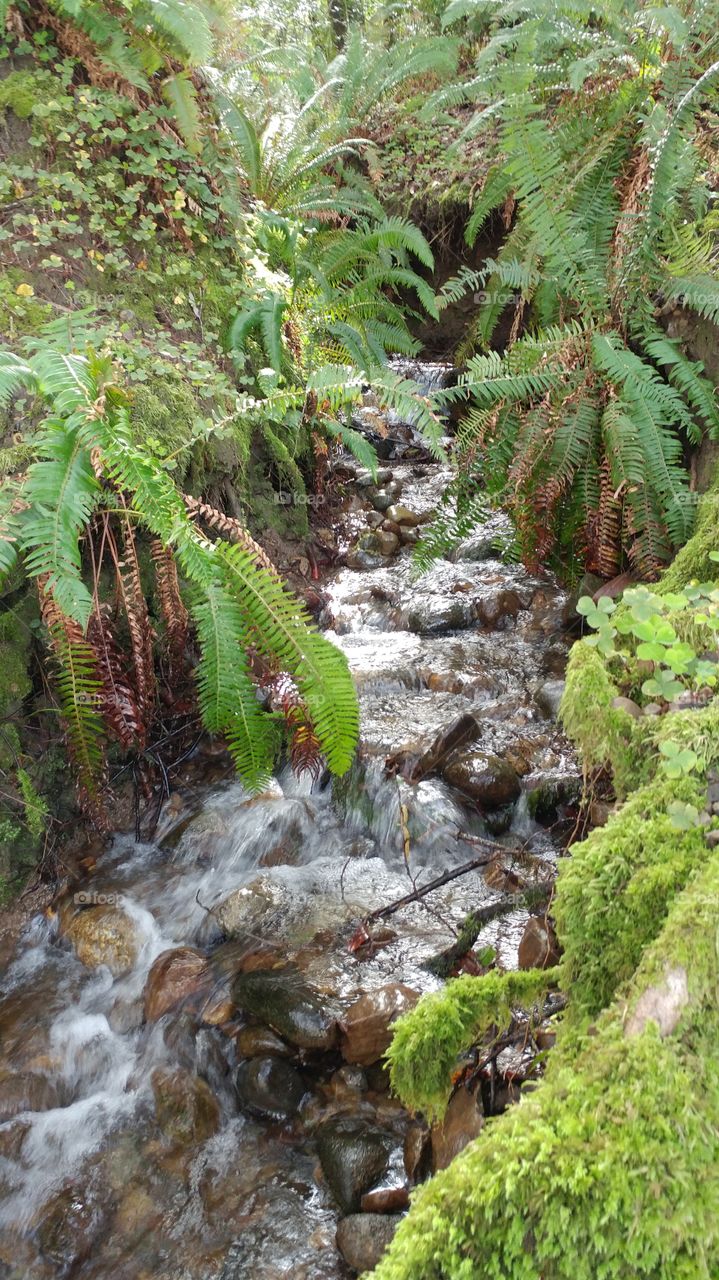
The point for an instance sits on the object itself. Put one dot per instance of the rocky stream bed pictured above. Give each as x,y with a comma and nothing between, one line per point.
191,1076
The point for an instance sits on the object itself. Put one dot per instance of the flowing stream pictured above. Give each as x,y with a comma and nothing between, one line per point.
147,1128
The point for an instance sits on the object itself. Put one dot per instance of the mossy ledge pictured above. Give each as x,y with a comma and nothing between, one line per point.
609,1169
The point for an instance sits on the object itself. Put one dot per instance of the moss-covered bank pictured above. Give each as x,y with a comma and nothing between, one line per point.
609,1169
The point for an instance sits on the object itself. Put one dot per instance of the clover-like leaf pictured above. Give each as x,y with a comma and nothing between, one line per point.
683,816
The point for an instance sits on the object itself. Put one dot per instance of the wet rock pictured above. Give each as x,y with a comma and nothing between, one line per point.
463,1121
269,1087
402,515
104,935
259,1042
186,1109
433,615
379,542
70,1225
347,1085
252,908
409,537
353,1155
489,781
174,978
374,519
497,607
549,697
12,1136
546,801
366,1026
538,948
362,1238
358,559
390,1198
461,732
383,499
126,1015
416,1147
294,1009
26,1091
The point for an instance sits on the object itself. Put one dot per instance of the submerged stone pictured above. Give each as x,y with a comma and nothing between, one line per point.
269,1086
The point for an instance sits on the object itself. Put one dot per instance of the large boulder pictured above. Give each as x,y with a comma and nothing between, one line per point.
105,935
294,1009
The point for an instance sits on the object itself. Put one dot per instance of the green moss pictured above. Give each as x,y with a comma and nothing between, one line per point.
22,91
692,561
605,736
20,316
610,1169
15,682
164,416
614,892
428,1039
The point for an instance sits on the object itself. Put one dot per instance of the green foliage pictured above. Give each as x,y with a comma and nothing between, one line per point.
580,425
236,600
429,1039
658,628
588,1175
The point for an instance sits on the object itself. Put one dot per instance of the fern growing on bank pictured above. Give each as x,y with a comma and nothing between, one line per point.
88,474
580,426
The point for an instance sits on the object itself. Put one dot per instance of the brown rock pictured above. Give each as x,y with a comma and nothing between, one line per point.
104,935
391,1199
363,1237
366,1026
257,1042
463,1121
174,978
538,948
492,608
401,515
488,780
186,1108
24,1091
416,1142
460,733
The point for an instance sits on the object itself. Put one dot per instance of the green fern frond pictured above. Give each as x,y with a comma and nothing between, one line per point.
282,631
227,695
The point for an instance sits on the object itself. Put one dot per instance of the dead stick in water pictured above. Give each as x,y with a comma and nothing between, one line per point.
443,964
424,889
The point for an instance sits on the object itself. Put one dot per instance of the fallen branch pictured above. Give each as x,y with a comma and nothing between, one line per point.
445,962
423,890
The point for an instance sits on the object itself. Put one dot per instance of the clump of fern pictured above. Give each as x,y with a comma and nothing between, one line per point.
72,522
581,404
